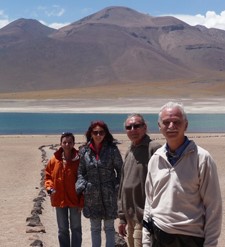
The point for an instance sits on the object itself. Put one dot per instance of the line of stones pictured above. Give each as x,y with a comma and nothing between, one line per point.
34,224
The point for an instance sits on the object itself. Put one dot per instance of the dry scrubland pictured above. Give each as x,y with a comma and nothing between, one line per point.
195,88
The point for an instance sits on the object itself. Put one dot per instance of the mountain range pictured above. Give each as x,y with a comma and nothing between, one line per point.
113,47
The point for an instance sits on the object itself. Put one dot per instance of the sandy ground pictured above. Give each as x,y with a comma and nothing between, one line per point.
21,165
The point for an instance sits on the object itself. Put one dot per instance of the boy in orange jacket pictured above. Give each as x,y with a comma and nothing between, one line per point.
60,179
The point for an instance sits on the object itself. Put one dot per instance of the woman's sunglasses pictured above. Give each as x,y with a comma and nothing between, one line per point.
96,132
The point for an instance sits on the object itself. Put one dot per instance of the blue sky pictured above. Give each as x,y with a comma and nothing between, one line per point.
58,13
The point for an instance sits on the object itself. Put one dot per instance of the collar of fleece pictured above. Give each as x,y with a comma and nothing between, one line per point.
59,154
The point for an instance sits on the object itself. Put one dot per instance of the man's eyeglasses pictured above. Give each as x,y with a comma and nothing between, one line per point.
96,132
134,126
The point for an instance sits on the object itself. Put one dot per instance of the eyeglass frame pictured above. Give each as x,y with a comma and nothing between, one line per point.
134,126
98,132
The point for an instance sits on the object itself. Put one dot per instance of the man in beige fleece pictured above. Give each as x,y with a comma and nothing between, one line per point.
183,200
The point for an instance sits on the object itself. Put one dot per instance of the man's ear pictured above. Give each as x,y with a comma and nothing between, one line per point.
186,125
145,126
159,126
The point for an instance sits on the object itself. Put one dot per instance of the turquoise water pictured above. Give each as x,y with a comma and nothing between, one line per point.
56,123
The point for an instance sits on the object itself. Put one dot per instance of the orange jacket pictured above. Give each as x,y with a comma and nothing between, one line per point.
63,180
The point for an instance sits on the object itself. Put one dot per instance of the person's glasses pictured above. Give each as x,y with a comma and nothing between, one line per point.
134,126
100,132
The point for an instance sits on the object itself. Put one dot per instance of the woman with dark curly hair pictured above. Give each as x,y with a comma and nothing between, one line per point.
98,180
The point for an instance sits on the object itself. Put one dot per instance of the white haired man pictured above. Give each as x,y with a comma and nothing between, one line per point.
183,205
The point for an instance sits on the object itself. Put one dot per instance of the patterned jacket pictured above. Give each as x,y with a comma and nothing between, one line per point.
99,181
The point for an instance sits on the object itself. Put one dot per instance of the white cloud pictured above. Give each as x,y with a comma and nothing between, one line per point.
4,23
58,25
209,20
4,20
55,10
2,14
54,25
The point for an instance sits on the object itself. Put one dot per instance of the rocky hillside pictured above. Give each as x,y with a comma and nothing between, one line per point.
116,45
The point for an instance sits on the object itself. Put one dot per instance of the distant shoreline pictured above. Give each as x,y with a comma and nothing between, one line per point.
120,105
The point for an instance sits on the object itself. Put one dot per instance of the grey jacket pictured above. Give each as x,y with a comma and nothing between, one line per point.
99,181
131,199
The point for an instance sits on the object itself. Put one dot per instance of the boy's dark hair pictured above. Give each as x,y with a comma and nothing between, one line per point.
67,134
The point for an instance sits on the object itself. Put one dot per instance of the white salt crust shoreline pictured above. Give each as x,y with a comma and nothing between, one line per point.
120,105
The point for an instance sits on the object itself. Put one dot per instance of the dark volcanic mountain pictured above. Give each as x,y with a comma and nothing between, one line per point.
115,45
